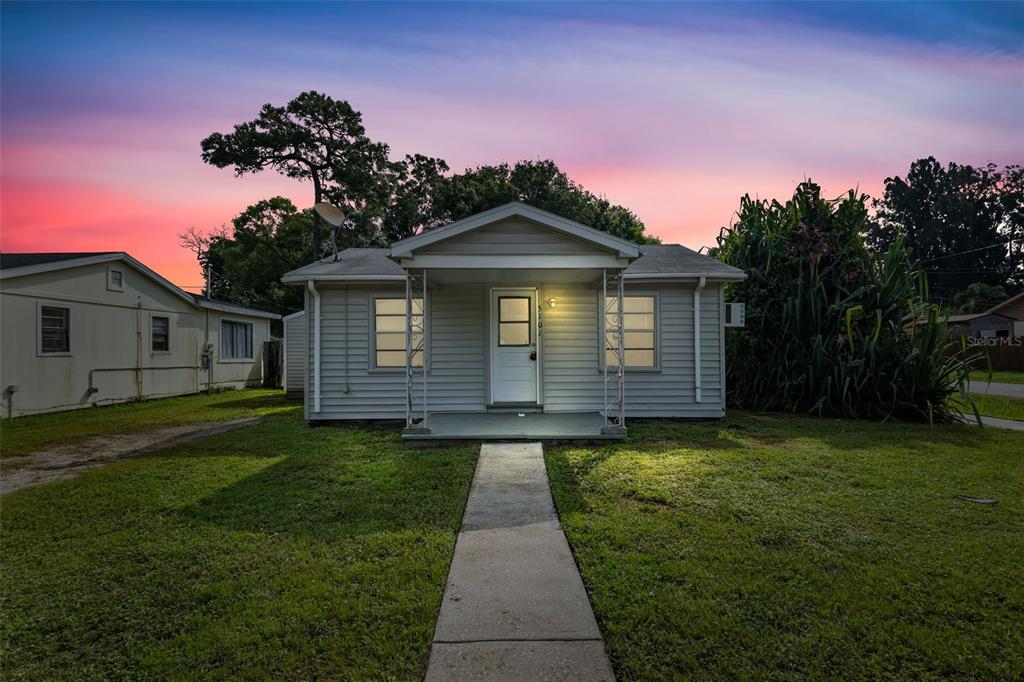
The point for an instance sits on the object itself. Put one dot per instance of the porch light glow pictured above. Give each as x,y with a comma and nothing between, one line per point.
552,302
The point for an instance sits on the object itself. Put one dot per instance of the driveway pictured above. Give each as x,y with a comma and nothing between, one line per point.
1008,390
65,461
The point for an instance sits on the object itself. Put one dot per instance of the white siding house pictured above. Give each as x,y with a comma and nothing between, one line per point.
85,329
511,313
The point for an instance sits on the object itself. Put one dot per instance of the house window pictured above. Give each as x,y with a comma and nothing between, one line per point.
638,325
513,321
54,329
115,279
389,332
160,341
235,340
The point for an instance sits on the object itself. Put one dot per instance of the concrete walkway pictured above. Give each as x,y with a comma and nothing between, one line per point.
514,607
1002,423
1007,390
66,461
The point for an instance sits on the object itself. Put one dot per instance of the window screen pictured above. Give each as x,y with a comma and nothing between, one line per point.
54,329
638,331
160,334
235,340
389,332
514,321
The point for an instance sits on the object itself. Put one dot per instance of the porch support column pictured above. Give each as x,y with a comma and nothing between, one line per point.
415,285
614,408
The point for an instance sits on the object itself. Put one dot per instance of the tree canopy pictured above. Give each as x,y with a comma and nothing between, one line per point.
963,224
538,183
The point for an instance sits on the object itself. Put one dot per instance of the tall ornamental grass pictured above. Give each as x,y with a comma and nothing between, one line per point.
831,329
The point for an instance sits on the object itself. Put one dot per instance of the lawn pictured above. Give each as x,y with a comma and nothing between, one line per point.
273,551
24,435
999,406
981,377
779,547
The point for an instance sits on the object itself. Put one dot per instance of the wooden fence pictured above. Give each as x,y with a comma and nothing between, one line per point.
1004,354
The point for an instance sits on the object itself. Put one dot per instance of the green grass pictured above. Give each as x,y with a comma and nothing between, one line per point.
999,406
24,435
982,377
275,551
772,547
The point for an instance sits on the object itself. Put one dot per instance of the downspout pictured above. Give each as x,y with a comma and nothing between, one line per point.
696,338
311,287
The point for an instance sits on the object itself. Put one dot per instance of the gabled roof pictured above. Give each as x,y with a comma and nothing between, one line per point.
352,265
405,247
656,262
994,310
674,261
21,264
23,260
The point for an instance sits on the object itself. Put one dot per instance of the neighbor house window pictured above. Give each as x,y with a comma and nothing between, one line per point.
115,279
160,341
389,342
235,340
638,325
54,329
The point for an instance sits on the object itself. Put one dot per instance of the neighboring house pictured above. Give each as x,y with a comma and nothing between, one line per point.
508,313
82,329
295,341
1001,320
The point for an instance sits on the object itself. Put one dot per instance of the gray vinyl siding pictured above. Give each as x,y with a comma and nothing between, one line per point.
295,346
572,375
455,355
514,236
570,354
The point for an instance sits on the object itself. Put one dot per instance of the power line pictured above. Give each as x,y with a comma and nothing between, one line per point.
961,253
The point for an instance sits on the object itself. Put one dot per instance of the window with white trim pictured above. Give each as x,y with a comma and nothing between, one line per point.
160,334
54,329
639,331
389,342
235,340
115,279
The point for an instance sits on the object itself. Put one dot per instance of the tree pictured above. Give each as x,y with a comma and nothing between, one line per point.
538,183
323,140
964,224
978,297
831,329
267,240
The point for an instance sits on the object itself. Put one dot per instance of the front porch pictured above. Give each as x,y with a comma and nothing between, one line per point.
512,426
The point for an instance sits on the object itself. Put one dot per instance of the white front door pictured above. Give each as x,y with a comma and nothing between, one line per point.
514,364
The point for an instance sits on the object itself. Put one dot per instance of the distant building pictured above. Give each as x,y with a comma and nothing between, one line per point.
81,329
1001,320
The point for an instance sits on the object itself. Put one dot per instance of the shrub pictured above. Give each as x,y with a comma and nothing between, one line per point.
831,329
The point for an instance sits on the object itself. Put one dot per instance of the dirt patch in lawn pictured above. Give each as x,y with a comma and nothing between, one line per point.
65,461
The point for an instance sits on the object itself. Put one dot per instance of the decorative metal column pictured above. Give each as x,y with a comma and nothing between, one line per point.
415,288
613,325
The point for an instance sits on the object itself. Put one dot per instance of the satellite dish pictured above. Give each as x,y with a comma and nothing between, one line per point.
332,214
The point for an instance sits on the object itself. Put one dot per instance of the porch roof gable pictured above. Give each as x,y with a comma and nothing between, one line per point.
406,247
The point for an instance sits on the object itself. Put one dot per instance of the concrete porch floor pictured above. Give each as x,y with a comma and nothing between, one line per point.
506,426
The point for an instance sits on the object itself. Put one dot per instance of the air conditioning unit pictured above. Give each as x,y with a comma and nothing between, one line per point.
734,315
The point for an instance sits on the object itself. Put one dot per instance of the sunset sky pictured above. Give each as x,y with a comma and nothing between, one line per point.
672,110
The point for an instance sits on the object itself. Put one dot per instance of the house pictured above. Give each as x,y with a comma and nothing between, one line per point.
294,355
82,329
1005,319
510,323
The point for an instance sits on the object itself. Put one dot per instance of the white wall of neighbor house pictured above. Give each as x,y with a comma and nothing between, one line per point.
570,352
111,327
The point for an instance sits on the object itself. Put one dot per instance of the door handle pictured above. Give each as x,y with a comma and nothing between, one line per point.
533,355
